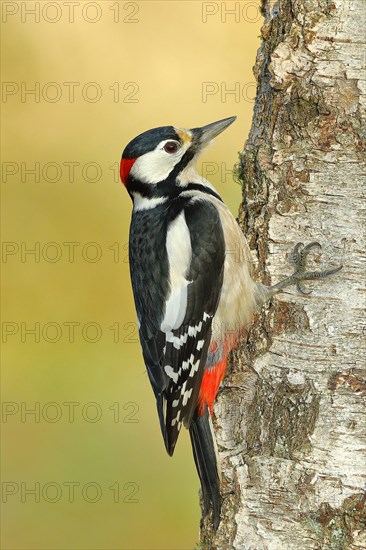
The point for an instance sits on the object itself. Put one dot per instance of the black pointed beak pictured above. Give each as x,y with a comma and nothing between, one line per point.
204,135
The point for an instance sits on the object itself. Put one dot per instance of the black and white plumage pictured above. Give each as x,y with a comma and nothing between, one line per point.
186,285
176,289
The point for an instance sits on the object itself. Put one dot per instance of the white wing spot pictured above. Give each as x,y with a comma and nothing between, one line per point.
177,341
185,365
170,372
194,368
186,396
192,331
176,419
200,344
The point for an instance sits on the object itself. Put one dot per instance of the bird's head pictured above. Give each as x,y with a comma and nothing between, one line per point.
157,162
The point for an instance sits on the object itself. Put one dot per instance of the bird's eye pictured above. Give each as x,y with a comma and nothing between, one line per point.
171,147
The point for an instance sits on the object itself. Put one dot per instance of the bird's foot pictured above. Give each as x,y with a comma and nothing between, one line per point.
298,259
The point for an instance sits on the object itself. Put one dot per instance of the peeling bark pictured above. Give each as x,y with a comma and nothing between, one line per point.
290,420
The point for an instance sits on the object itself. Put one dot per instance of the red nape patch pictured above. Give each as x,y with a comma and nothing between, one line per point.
124,169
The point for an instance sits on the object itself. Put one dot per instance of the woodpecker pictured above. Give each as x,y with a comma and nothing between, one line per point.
193,296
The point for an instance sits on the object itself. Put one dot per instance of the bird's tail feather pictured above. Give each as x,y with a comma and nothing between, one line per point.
204,453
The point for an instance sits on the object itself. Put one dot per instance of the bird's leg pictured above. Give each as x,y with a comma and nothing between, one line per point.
298,259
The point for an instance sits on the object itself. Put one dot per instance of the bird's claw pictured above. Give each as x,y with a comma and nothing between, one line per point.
298,259
300,253
301,289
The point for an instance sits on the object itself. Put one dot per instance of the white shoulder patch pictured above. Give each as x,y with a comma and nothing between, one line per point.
179,249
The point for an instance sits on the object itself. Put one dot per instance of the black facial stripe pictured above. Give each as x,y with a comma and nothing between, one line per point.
179,167
167,189
203,189
137,186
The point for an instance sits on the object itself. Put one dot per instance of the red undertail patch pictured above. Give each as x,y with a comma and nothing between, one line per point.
212,378
210,384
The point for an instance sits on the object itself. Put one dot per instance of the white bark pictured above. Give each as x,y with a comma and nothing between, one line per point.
290,421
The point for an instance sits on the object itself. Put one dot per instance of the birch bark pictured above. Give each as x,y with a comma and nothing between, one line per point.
290,420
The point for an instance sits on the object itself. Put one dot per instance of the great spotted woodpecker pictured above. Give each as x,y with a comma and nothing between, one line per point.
193,296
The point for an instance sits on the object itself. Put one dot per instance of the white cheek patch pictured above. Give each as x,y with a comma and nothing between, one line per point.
156,165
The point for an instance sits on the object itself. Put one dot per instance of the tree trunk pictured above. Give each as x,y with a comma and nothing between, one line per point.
290,420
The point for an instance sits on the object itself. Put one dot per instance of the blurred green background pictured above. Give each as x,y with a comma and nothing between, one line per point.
101,73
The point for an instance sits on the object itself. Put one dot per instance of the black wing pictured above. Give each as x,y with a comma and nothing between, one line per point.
175,356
